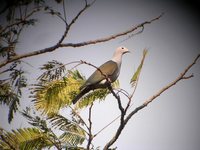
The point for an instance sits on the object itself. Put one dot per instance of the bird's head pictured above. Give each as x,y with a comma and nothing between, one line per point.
122,50
118,54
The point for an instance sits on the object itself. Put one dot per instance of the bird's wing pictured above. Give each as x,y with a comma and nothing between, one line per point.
109,68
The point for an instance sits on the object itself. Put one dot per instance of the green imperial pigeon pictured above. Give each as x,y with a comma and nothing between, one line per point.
109,70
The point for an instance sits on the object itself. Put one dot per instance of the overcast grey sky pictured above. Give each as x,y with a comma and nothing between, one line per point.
173,120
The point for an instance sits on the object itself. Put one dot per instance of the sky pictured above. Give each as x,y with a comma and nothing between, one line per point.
172,121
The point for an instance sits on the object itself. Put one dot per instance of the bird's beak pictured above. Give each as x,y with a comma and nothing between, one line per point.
127,52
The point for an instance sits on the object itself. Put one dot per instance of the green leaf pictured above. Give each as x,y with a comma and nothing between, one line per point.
136,75
5,93
52,96
26,138
53,70
98,94
73,133
11,89
9,98
35,120
13,107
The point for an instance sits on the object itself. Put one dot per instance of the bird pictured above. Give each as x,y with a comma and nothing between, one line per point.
105,74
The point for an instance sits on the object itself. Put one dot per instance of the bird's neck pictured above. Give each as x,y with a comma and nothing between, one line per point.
117,58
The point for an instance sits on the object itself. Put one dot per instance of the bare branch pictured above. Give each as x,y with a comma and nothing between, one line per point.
157,94
180,77
122,91
134,34
112,36
60,44
90,127
74,20
118,100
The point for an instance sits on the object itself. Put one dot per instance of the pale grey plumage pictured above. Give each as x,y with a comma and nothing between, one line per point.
110,69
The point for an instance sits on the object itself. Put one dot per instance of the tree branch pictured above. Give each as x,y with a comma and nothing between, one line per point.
90,127
60,44
22,20
114,36
118,100
182,76
68,27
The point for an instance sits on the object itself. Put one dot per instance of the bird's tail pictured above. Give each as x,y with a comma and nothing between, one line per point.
83,92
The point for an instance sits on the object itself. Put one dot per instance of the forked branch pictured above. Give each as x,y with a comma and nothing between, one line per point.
182,76
90,42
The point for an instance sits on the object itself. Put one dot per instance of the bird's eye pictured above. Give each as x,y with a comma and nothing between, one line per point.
122,48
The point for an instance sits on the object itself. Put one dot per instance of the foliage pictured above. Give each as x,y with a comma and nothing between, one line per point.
137,73
11,89
17,15
27,138
73,133
99,94
35,120
8,97
50,97
53,70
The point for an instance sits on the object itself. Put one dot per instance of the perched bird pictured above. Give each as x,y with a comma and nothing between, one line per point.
104,75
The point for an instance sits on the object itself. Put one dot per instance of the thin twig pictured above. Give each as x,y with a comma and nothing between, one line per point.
85,124
68,27
124,92
134,34
64,11
107,125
